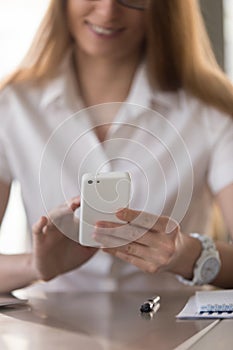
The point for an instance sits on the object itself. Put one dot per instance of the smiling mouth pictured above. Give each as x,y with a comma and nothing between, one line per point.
104,31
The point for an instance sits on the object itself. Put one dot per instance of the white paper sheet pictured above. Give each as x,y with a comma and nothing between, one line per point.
190,311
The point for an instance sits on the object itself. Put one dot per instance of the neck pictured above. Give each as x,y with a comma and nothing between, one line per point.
103,80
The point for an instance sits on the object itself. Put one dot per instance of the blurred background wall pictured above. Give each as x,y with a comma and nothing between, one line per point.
213,12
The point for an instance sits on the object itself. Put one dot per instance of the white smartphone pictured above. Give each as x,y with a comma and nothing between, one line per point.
101,196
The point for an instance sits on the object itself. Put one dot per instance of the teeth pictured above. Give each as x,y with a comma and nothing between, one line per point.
101,30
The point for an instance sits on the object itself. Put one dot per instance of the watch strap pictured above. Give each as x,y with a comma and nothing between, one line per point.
208,250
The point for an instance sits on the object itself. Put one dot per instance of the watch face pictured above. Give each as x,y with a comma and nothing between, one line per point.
210,269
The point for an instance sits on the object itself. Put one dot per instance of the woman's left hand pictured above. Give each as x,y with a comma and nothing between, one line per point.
147,241
54,253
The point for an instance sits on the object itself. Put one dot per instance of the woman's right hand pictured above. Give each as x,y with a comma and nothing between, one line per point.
53,252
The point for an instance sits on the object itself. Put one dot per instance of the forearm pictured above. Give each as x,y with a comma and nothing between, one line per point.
188,253
225,276
16,271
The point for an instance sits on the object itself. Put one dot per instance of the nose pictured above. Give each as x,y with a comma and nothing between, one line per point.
108,8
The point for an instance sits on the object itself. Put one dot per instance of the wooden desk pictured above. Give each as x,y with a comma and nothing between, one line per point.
96,321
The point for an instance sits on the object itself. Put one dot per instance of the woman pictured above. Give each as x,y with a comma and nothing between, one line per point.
151,54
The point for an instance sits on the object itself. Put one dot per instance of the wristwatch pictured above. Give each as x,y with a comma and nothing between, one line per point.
207,265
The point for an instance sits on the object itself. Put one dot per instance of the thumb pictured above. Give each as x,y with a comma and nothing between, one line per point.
38,227
74,203
172,227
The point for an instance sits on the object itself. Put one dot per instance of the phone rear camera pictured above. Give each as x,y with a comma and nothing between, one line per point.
90,182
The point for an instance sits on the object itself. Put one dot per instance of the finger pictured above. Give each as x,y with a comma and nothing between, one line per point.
115,235
147,220
74,203
127,232
153,256
63,210
108,241
160,240
159,253
138,250
138,218
112,238
146,266
58,215
38,227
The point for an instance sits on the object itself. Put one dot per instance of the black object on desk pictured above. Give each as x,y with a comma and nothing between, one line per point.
150,305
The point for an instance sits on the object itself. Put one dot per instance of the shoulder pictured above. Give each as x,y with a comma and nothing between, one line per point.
19,102
6,96
20,91
211,119
17,99
188,114
207,112
33,93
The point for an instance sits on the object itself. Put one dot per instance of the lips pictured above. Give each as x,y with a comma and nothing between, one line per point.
104,31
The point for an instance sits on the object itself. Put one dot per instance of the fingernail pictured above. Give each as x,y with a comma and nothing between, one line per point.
100,224
43,219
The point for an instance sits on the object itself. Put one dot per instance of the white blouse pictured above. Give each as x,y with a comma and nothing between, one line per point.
177,149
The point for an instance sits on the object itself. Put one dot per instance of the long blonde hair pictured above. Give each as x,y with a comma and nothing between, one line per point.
177,50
